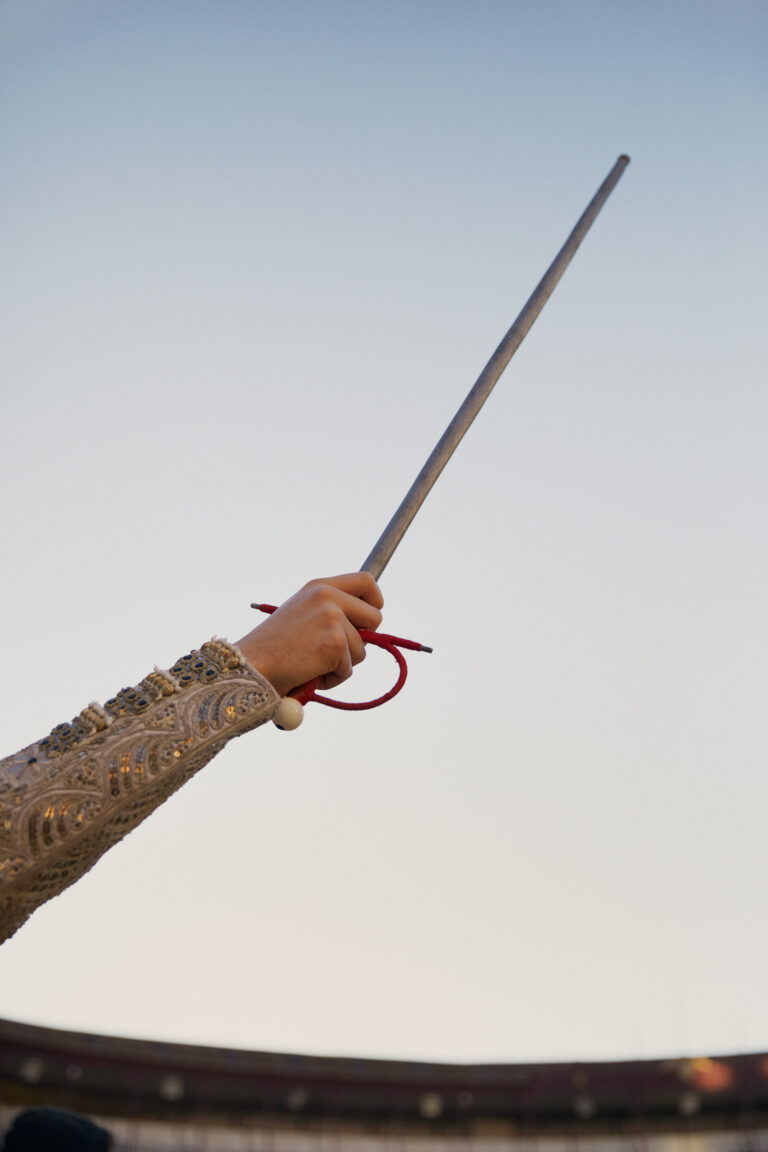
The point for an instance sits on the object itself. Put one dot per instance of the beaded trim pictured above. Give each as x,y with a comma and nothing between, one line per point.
66,800
206,665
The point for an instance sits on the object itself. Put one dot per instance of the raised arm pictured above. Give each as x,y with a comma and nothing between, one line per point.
69,797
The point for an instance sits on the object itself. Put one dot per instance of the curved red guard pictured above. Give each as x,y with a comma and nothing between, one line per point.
307,693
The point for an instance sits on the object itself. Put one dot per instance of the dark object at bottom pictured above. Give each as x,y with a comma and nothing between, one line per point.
44,1129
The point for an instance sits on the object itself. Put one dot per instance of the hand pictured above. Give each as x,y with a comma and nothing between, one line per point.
315,633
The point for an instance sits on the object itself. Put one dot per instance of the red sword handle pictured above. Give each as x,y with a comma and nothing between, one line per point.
307,693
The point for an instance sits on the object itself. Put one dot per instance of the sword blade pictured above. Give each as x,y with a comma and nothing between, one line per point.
384,548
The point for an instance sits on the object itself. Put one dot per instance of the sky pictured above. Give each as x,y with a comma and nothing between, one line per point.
254,256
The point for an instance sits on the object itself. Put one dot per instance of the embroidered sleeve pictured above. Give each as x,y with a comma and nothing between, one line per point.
67,799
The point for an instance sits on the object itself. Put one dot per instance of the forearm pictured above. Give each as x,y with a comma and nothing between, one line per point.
67,799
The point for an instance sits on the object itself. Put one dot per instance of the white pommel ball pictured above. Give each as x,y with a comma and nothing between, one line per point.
289,714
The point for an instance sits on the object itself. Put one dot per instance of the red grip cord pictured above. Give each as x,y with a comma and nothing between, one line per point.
307,693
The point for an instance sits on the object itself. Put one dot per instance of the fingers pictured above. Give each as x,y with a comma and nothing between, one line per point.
315,633
343,647
350,651
357,595
358,584
357,599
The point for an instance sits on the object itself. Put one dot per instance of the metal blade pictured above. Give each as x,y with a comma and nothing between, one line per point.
382,552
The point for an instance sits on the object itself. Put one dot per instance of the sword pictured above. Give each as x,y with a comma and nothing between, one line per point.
289,713
385,546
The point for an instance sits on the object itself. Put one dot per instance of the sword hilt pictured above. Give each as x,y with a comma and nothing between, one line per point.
290,711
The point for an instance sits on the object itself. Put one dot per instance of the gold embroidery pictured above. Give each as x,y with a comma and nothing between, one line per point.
67,799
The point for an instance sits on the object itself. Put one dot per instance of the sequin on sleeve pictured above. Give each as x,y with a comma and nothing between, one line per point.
67,799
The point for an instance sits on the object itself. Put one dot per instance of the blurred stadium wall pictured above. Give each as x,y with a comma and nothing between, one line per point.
155,1096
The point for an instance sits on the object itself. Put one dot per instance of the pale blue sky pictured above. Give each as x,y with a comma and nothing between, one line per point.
254,255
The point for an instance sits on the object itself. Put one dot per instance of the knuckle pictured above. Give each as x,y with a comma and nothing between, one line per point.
318,599
334,641
323,595
317,588
374,591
